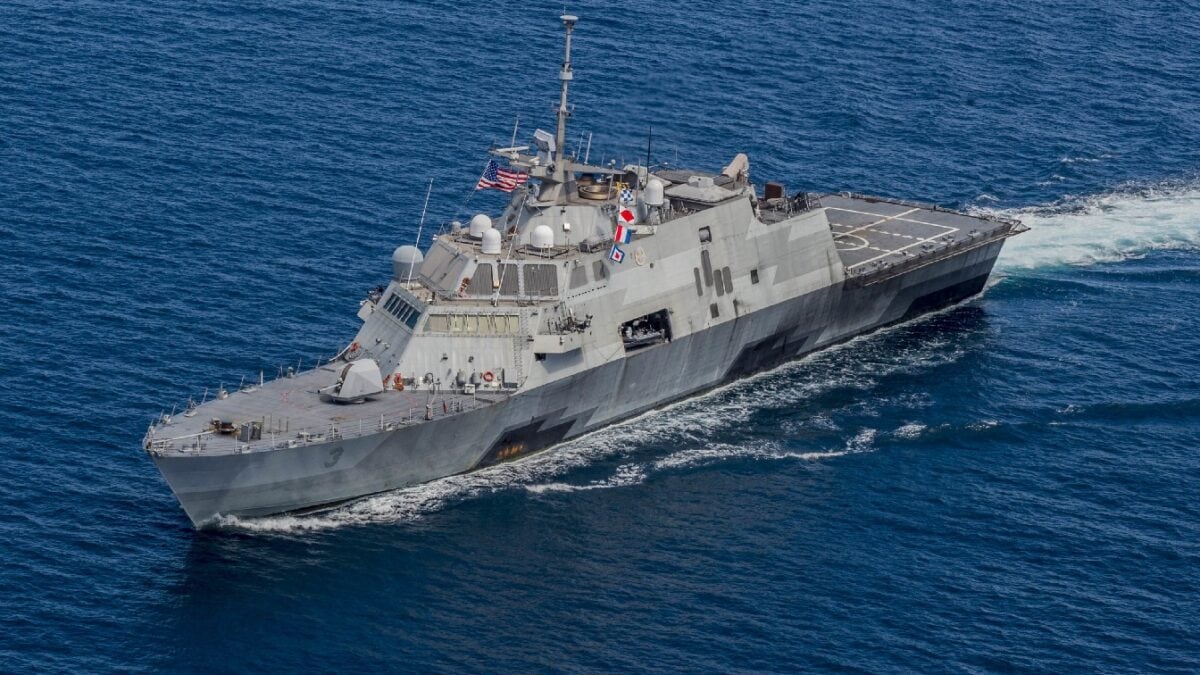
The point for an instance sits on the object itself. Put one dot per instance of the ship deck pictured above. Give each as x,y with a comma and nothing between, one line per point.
289,411
874,234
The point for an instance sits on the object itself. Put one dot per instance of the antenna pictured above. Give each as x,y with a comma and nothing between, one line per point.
421,226
516,125
588,153
649,140
565,75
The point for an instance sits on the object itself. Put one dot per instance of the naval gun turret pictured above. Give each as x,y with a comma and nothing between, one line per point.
356,382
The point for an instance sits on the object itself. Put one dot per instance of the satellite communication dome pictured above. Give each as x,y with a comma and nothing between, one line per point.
405,262
654,192
479,225
541,237
491,241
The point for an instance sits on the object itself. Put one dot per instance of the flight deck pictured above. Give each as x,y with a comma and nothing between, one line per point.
875,235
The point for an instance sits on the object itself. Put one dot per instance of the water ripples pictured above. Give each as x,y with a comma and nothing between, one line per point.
195,193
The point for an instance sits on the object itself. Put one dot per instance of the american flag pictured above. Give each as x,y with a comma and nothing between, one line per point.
504,179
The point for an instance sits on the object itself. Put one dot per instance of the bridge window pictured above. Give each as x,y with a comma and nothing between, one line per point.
481,282
402,311
509,279
541,280
578,277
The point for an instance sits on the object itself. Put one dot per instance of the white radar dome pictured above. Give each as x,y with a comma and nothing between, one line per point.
541,237
479,225
405,262
491,241
654,192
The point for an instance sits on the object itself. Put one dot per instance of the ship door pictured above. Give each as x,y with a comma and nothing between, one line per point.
646,331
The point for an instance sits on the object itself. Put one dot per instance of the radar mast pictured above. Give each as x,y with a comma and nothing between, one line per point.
561,173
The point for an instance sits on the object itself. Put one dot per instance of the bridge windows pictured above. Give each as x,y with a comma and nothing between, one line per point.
541,280
579,277
402,311
482,283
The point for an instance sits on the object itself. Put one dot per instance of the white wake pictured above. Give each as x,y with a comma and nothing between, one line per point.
1109,227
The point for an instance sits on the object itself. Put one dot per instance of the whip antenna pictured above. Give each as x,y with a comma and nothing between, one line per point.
420,227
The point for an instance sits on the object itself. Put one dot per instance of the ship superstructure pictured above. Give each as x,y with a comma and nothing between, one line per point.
598,293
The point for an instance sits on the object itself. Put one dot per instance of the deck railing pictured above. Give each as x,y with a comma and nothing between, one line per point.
274,434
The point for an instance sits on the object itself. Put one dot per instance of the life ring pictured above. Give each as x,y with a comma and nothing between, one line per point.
353,351
488,376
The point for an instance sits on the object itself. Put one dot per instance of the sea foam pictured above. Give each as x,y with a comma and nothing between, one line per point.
1118,225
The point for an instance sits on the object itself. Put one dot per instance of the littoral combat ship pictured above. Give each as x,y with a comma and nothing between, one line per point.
599,293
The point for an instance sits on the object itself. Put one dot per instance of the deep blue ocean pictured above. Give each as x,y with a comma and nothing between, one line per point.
192,192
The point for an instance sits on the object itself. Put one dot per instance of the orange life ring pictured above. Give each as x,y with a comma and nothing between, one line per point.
488,376
353,346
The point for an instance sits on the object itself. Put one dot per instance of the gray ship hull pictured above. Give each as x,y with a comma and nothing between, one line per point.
308,476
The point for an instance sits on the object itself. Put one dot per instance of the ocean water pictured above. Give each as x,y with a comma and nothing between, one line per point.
194,192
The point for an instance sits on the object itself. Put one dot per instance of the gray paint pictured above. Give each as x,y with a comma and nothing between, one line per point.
581,396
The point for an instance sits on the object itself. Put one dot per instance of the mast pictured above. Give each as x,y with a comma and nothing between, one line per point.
565,75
